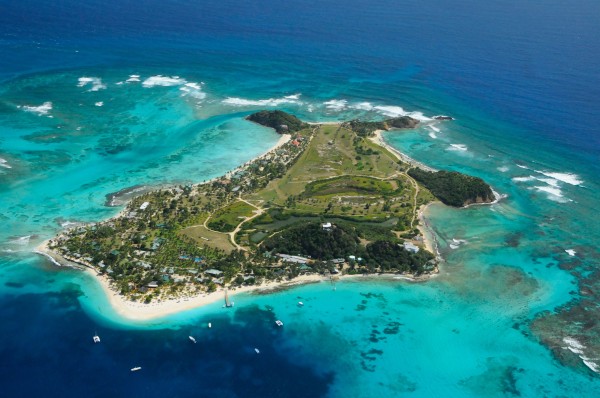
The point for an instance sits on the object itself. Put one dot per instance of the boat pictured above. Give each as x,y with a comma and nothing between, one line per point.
300,304
96,338
136,368
209,325
257,350
228,303
279,323
193,339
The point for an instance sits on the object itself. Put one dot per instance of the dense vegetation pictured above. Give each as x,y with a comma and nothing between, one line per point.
311,240
281,121
453,188
342,241
391,256
365,129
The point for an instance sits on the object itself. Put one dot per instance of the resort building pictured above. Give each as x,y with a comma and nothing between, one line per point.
410,247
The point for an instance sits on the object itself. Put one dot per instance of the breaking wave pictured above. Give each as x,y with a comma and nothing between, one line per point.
163,81
96,83
43,109
290,99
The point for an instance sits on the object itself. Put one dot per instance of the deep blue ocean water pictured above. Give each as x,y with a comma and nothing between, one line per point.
100,96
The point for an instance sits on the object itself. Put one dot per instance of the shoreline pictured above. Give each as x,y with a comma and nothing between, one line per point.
139,311
159,308
377,138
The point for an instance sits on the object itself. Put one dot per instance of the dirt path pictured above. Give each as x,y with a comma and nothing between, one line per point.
258,212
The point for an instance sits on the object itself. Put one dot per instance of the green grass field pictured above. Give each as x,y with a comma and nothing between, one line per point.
227,218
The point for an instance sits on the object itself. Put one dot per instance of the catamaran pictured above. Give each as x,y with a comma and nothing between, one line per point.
279,323
96,338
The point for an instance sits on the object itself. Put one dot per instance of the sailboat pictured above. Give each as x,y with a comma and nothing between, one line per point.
227,302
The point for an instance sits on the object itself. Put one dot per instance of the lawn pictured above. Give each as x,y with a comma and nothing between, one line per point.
227,218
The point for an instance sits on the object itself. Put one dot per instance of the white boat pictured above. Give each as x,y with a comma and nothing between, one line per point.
136,368
209,325
193,339
300,303
96,338
257,350
279,323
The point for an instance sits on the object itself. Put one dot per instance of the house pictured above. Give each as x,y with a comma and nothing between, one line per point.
293,259
213,272
338,261
153,284
326,226
410,247
144,205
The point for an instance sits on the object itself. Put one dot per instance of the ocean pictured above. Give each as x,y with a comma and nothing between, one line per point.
97,97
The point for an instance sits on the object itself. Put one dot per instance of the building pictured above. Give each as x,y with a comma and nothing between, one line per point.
410,247
153,284
326,226
213,272
144,205
293,259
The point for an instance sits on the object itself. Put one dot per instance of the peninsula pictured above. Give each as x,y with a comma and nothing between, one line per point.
327,201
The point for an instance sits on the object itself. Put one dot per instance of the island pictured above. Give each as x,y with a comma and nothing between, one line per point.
330,201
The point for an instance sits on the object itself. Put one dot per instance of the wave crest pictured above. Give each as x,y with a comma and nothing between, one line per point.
96,83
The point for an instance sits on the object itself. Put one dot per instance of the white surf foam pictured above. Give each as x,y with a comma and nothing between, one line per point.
49,257
431,126
290,99
457,147
336,105
43,109
554,193
398,111
551,190
21,241
590,364
363,106
568,178
4,163
550,181
432,135
503,169
96,83
133,79
523,167
164,81
573,345
570,252
193,90
99,103
523,179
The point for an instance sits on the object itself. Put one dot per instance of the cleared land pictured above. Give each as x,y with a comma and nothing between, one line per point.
343,174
